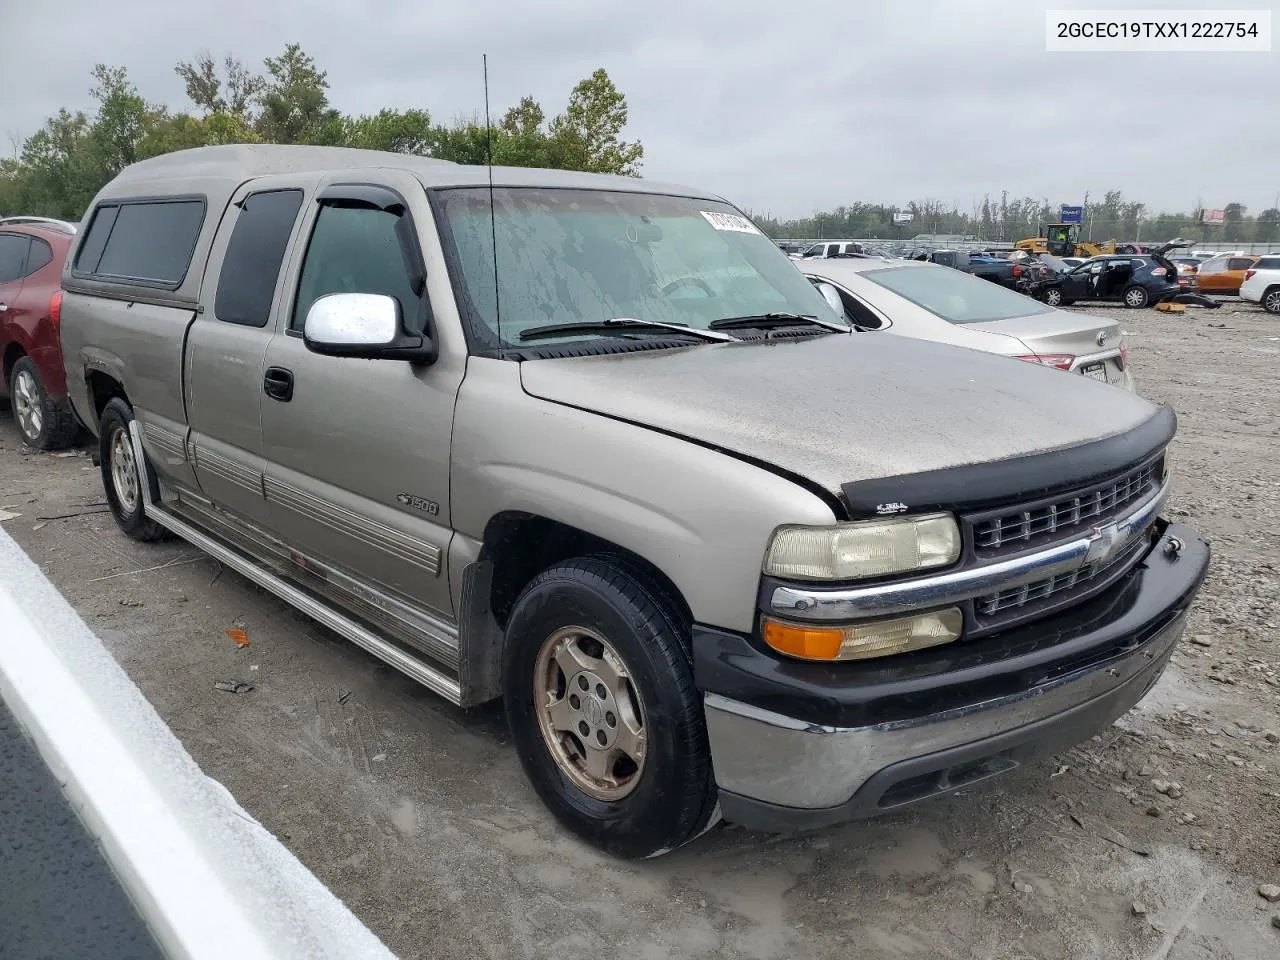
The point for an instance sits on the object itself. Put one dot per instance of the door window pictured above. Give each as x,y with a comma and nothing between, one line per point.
353,250
251,265
1214,265
13,256
1240,263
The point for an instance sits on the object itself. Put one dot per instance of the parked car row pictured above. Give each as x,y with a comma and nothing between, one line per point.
594,446
933,302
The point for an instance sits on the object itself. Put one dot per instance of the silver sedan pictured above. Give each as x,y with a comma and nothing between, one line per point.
931,302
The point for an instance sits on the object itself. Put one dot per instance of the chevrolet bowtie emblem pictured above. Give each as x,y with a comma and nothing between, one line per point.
1104,542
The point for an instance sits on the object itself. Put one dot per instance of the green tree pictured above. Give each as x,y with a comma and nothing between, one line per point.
587,134
1267,227
121,122
183,131
396,131
295,102
56,177
235,92
1233,224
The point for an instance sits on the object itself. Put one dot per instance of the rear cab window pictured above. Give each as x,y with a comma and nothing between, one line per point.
251,265
147,242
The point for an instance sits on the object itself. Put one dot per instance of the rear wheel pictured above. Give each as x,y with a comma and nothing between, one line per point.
1136,297
42,422
125,481
1271,300
600,699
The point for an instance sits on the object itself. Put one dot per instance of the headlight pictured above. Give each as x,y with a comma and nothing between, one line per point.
867,548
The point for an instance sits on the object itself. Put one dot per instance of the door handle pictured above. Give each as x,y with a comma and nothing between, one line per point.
278,384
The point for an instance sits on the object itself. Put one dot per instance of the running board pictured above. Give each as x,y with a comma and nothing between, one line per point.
429,677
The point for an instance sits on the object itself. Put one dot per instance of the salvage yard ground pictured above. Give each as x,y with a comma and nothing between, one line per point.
1149,841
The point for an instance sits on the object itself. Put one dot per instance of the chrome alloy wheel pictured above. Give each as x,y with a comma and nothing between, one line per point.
26,405
124,471
590,713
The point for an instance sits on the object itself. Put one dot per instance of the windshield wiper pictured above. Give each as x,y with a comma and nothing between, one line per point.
767,321
625,323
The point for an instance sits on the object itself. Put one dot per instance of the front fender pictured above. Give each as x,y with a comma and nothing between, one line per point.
702,517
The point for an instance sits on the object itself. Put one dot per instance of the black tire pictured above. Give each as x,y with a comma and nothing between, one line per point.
131,517
1136,297
1271,299
674,794
42,422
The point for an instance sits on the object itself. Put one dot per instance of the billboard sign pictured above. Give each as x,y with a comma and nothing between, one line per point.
1072,214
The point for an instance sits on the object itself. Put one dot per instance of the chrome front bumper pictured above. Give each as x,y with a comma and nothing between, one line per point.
778,772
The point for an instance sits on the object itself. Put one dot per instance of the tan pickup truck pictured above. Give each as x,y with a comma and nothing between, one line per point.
595,446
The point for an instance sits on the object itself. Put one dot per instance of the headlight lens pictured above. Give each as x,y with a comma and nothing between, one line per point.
867,548
862,641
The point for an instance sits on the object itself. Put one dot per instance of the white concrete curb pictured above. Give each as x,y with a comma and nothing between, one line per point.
210,880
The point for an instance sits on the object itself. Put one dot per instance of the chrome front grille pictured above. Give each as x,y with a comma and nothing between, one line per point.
1088,578
1012,530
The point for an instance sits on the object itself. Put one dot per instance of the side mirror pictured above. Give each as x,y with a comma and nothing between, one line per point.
832,296
363,325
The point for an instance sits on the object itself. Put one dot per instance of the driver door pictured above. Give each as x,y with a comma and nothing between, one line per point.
357,451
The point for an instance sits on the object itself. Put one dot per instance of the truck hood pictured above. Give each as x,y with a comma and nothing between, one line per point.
846,407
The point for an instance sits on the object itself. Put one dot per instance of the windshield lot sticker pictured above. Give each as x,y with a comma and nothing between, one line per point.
730,221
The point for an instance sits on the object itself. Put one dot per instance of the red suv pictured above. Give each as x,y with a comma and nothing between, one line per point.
32,251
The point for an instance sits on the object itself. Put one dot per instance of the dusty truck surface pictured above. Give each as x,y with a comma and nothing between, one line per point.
593,445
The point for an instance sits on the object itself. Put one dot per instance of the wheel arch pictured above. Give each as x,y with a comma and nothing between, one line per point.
102,387
13,352
516,546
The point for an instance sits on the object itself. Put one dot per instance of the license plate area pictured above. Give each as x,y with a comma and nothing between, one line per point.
1095,371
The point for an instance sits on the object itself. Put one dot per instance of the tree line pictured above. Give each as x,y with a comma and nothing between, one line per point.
57,170
1006,218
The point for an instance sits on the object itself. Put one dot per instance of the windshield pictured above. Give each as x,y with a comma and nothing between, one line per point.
568,256
955,296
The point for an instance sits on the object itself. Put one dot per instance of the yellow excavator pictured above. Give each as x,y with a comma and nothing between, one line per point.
1063,240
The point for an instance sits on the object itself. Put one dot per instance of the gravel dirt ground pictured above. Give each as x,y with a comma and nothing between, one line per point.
1149,841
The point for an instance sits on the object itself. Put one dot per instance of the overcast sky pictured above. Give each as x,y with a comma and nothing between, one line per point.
784,109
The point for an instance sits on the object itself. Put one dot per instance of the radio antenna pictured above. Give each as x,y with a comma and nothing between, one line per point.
493,226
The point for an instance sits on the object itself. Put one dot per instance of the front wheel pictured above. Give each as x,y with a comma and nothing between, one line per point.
1136,297
124,480
1053,297
602,707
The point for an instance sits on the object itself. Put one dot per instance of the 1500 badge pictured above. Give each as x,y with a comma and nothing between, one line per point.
418,503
